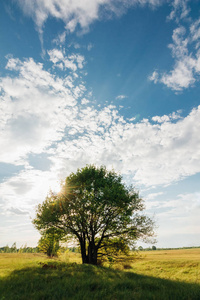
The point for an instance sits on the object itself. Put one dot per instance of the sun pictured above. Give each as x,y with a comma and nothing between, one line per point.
55,186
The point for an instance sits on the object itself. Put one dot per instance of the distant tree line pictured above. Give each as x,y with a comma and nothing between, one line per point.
39,249
140,248
22,249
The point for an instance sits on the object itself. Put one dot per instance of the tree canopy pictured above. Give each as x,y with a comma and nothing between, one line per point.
49,243
96,208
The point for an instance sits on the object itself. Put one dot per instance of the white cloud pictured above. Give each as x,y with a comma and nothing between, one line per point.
177,218
56,55
154,195
161,119
63,61
131,119
180,44
154,77
165,118
90,46
84,101
17,211
76,12
180,9
121,97
184,210
21,193
186,69
153,154
44,113
36,106
181,77
60,40
195,31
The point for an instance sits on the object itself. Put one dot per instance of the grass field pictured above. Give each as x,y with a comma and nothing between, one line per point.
160,275
183,265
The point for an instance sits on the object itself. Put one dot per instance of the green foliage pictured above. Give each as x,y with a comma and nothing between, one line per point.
73,249
96,208
25,249
6,249
22,249
13,248
49,244
112,249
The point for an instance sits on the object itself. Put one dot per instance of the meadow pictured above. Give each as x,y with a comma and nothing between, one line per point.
160,275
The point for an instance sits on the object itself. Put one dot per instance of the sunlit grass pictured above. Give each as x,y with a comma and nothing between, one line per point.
171,274
70,257
16,261
180,264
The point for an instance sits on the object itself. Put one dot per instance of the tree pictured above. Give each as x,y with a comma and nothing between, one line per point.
49,244
96,208
13,248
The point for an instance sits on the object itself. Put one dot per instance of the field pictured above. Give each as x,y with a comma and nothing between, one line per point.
160,275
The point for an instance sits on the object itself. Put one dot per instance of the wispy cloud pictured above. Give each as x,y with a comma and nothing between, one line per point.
44,113
121,97
186,68
76,15
182,210
154,77
90,46
82,12
17,211
154,195
60,39
9,11
180,9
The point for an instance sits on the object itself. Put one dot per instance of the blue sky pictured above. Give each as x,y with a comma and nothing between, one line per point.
101,82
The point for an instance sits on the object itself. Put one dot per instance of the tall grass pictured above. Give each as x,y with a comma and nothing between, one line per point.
181,264
10,262
35,277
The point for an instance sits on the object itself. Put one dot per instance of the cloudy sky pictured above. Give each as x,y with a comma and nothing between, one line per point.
112,82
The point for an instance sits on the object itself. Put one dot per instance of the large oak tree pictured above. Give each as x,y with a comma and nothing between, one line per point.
96,208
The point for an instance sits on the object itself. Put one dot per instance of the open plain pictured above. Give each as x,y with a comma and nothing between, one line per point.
159,274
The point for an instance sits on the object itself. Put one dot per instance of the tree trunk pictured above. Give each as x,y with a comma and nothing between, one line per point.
92,254
83,251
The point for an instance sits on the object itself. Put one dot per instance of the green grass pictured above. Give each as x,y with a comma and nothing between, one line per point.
181,264
10,262
33,276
